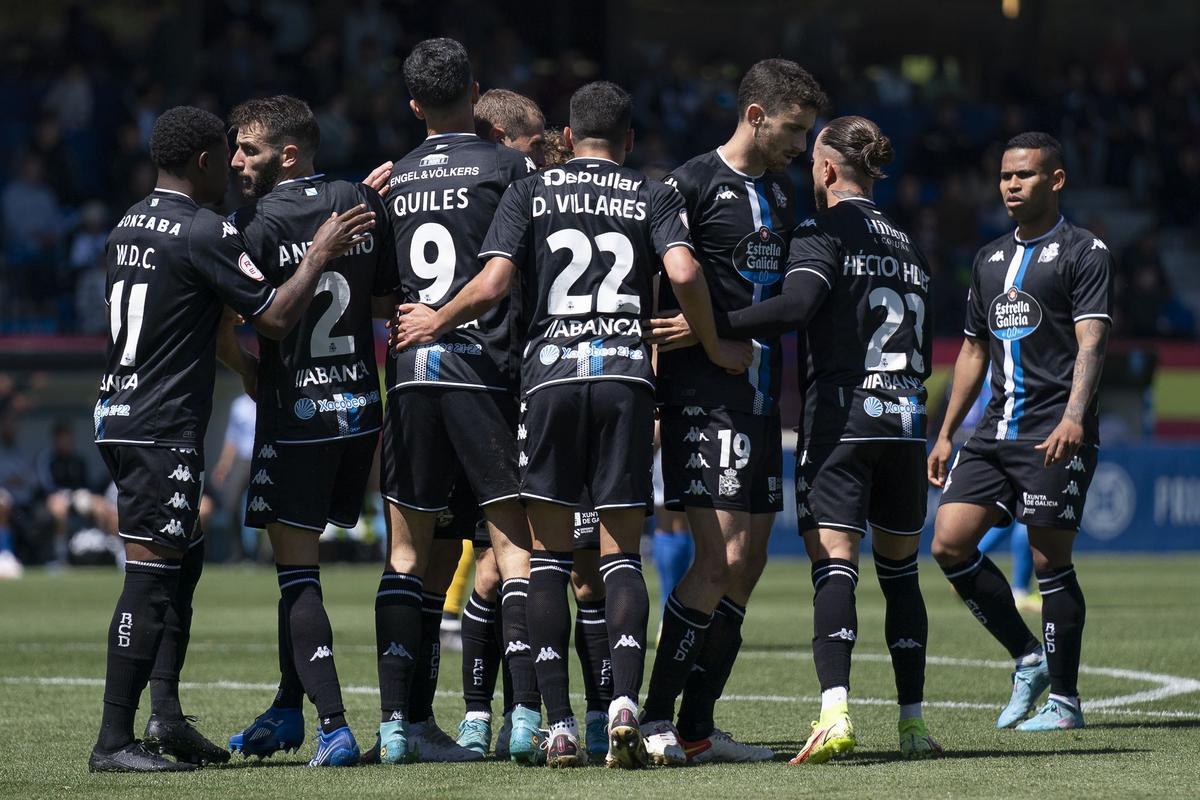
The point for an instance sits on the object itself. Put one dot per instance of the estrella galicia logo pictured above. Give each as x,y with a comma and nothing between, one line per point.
873,406
1015,315
759,257
548,354
305,408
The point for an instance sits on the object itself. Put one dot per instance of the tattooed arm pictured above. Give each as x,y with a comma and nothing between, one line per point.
1064,440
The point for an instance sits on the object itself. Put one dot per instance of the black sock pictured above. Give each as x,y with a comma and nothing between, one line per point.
549,619
479,654
683,634
518,648
429,659
177,632
312,641
1063,613
985,590
133,639
591,645
714,664
397,640
626,610
291,692
905,625
835,620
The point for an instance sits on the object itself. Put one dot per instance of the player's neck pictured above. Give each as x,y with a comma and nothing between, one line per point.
171,183
845,190
457,122
298,170
583,150
1032,229
741,154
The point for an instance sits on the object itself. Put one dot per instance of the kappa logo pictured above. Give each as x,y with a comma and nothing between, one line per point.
1068,513
627,641
1048,254
695,435
845,634
808,223
228,229
172,528
780,197
1072,489
696,488
529,165
398,650
802,511
522,460
1098,245
324,651
1076,465
258,504
547,654
905,644
396,716
696,462
181,473
726,194
178,501
802,485
266,451
997,256
262,479
693,411
521,433
516,646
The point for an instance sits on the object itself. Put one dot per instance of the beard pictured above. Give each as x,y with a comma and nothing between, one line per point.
258,185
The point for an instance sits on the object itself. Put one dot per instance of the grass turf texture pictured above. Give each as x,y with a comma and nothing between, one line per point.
1141,617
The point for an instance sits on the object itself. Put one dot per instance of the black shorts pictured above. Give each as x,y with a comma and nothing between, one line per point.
1012,475
309,485
593,435
432,436
717,458
848,485
462,520
158,492
586,535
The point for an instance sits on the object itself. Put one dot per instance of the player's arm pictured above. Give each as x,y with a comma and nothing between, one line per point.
792,309
691,290
969,371
1092,337
231,353
417,324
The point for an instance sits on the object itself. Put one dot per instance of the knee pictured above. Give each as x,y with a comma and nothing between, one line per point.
948,552
586,591
715,573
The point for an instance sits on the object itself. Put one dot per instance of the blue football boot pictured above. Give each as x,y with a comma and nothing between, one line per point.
273,730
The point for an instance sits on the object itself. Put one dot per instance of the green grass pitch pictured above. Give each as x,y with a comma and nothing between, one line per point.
1141,685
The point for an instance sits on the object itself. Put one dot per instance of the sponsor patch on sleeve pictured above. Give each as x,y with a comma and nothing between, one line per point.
247,265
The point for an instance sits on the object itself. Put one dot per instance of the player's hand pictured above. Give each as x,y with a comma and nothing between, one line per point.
414,325
1062,442
378,179
733,356
341,232
669,332
939,461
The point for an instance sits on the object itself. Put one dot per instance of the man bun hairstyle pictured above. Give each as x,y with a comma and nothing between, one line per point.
180,133
860,143
281,120
1037,140
513,113
438,73
777,84
601,110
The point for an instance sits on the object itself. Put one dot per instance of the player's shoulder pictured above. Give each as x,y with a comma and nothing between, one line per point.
207,225
512,161
697,172
1078,241
997,251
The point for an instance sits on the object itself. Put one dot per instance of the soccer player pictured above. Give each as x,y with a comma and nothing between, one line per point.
452,410
585,239
1038,312
172,267
319,409
513,120
722,442
860,288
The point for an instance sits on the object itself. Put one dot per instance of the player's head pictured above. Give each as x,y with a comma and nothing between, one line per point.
276,136
1031,176
558,152
438,75
512,120
778,102
601,115
849,151
189,144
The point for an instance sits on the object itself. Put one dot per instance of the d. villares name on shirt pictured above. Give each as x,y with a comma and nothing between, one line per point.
588,203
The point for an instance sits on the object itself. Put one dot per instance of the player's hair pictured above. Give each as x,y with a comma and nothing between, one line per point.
860,143
281,120
601,110
556,149
438,73
777,84
180,133
515,114
1036,140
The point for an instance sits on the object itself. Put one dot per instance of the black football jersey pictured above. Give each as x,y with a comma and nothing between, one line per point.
869,344
588,238
741,226
1025,299
321,381
172,268
442,199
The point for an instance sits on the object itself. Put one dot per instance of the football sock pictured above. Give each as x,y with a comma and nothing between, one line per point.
1063,612
177,632
498,654
397,640
626,611
986,591
905,625
591,645
835,620
312,641
714,664
291,692
518,653
479,662
550,629
683,633
133,639
425,678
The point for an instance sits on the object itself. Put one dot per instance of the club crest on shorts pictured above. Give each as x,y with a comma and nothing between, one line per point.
728,484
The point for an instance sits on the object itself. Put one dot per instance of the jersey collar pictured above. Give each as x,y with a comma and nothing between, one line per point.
592,158
159,189
302,178
721,156
1051,232
445,135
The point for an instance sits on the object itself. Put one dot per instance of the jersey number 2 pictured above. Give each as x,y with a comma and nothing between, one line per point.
609,300
890,300
322,345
